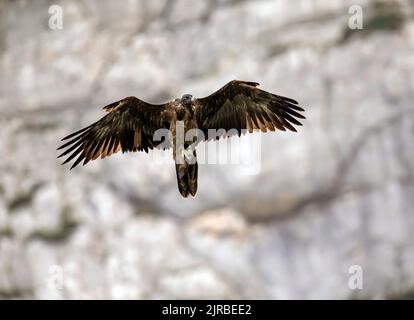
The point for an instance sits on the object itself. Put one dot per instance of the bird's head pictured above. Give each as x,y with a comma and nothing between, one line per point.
187,100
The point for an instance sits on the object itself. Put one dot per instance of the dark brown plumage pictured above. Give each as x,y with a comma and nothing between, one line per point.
130,124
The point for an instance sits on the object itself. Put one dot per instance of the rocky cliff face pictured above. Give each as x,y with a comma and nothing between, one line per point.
336,194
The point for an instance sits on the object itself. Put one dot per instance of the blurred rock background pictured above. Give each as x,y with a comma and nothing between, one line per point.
338,193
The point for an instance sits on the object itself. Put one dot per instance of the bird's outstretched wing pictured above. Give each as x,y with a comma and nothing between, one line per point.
241,106
129,125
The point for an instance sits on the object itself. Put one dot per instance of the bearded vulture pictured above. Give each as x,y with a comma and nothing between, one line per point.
131,125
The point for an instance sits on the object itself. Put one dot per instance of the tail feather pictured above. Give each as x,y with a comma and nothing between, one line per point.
192,178
181,170
187,176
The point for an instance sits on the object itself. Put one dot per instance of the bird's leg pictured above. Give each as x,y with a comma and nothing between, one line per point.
189,151
189,154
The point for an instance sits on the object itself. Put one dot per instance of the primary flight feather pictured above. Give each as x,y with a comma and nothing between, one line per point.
130,125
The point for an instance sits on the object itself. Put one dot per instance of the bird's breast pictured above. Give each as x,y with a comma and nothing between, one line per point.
184,119
181,113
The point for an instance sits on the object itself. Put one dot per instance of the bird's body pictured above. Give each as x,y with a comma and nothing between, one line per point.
187,171
132,125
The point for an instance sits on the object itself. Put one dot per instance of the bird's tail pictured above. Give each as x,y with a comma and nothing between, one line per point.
187,175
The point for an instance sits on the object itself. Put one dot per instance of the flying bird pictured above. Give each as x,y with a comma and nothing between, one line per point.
130,125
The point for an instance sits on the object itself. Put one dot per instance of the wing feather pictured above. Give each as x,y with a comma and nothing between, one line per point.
242,106
129,125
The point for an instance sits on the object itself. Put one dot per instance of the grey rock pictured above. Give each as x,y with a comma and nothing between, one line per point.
336,194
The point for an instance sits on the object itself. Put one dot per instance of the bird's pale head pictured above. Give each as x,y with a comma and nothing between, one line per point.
187,100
